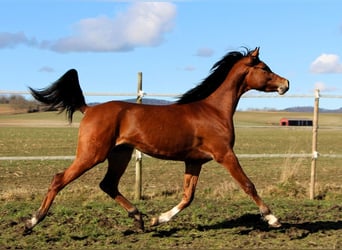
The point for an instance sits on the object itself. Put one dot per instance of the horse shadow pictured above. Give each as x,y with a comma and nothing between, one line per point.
253,223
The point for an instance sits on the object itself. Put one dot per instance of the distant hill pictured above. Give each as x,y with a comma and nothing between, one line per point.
151,101
309,109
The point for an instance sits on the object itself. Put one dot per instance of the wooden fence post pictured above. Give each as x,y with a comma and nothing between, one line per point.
138,155
314,145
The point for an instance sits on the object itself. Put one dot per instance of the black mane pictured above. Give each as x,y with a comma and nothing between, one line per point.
218,73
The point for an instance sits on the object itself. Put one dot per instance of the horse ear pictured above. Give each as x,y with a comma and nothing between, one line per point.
255,53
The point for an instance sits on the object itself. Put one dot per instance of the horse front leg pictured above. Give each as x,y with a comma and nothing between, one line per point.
231,163
191,176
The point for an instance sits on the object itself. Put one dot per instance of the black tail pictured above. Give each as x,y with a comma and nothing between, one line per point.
64,94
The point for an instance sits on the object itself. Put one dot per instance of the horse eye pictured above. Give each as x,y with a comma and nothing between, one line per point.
264,67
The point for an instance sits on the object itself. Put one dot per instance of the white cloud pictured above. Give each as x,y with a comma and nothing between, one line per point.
189,68
47,69
323,87
204,52
326,63
320,85
143,24
11,40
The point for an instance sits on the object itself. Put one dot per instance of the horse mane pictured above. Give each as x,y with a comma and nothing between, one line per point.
218,73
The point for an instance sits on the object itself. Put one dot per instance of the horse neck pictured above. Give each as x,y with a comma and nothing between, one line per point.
227,96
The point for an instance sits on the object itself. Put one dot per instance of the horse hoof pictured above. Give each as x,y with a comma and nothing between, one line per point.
138,219
28,227
27,231
139,225
272,221
154,221
276,224
139,222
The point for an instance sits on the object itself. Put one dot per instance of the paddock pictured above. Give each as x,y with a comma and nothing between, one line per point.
225,214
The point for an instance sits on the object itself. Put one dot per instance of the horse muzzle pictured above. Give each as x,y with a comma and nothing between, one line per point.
282,89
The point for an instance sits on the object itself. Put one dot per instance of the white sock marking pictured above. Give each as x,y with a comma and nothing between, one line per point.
165,217
34,221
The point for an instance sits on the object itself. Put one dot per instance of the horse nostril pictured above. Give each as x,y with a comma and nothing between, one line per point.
283,89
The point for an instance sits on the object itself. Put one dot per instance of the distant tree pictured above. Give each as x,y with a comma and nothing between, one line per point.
4,100
18,103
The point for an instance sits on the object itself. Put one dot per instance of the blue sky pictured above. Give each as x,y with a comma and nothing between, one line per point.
174,44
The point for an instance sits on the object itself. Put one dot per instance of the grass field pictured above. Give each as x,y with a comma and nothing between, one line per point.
221,216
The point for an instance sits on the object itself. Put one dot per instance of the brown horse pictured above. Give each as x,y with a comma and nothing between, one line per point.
196,129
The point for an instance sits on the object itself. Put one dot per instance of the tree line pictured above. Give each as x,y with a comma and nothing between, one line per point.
19,103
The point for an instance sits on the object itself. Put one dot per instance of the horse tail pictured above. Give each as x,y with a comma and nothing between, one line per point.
64,94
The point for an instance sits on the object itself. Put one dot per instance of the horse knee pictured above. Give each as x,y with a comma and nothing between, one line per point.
108,188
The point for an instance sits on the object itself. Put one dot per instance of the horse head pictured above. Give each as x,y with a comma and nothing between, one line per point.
260,77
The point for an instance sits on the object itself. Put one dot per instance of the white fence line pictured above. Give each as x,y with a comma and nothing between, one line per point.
32,158
14,92
66,157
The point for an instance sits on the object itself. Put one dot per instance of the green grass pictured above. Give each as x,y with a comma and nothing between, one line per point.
221,216
209,223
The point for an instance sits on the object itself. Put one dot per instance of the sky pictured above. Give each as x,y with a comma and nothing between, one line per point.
174,44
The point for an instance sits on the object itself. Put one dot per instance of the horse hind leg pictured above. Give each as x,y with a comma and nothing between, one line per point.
94,143
191,176
118,160
60,180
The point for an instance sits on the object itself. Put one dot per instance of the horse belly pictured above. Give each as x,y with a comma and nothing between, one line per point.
163,132
170,147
